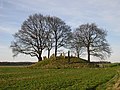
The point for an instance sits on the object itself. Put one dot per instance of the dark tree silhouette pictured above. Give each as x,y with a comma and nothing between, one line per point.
49,42
60,31
94,40
76,44
31,39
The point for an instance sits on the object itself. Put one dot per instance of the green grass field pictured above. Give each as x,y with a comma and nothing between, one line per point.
52,74
24,78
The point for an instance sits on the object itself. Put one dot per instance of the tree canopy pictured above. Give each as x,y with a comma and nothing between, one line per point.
60,32
93,39
40,33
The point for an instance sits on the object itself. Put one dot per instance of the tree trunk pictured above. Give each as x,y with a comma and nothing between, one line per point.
55,48
88,51
78,54
48,53
68,56
39,57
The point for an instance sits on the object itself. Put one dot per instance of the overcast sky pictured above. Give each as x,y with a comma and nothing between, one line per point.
105,13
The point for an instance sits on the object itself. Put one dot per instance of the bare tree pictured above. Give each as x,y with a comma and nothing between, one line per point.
76,44
60,32
94,40
31,39
49,42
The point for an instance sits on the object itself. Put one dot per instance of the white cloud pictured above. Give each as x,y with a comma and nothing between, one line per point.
6,55
2,46
115,57
8,30
4,30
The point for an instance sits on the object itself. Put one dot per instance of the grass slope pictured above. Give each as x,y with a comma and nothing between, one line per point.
61,62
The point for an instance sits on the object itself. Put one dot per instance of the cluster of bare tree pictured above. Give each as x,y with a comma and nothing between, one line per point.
90,38
40,33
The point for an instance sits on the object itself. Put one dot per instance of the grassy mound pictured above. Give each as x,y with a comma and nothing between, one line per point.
62,62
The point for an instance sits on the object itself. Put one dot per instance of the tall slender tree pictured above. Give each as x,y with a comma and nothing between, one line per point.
49,43
60,31
76,44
